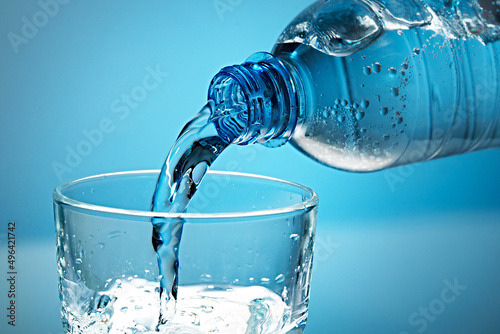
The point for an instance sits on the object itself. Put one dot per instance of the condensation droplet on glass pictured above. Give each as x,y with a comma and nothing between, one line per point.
392,71
376,67
384,110
365,103
114,234
394,91
367,70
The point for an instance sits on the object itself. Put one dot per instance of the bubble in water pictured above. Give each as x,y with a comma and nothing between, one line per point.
205,277
207,308
392,71
384,110
367,70
365,103
376,67
103,301
359,114
280,278
394,91
199,171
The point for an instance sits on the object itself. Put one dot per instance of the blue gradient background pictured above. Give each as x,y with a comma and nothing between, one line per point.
382,251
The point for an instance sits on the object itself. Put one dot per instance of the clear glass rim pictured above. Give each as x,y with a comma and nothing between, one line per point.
309,203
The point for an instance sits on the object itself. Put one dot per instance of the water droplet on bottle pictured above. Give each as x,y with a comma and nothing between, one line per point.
362,130
124,309
400,32
392,71
280,278
386,137
340,118
376,67
100,245
404,66
78,260
337,101
360,114
294,236
264,280
365,103
416,51
384,111
399,120
344,103
394,91
367,70
355,105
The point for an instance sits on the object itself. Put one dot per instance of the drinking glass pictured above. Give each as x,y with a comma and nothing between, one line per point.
243,263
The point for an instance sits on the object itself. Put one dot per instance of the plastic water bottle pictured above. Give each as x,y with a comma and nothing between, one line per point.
364,85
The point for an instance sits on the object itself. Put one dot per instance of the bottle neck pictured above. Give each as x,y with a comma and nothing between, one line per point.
259,101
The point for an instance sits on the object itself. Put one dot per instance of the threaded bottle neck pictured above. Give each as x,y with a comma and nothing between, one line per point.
257,101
